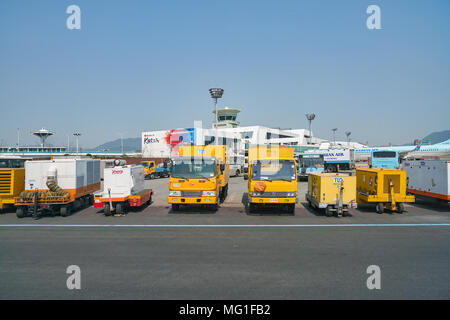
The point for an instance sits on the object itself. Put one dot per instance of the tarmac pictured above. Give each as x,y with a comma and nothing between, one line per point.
229,254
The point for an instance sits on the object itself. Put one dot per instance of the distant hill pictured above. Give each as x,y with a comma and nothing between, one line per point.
437,137
129,145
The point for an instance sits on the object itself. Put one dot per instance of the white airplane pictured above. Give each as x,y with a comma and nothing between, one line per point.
441,149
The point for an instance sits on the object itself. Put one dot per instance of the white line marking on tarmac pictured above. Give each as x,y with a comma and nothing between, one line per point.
220,225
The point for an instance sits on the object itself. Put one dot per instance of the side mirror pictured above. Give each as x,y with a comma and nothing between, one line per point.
222,167
245,176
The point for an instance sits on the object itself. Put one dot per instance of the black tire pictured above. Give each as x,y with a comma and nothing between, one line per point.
175,207
380,207
64,211
251,208
20,212
328,211
290,208
149,201
238,173
107,209
400,207
152,176
119,208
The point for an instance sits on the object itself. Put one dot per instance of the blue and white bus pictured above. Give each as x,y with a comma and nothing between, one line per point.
387,159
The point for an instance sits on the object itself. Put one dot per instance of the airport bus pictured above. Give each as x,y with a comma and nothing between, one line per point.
308,163
388,159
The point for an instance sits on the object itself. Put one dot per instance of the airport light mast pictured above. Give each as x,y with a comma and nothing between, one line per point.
334,136
77,134
216,93
310,117
348,133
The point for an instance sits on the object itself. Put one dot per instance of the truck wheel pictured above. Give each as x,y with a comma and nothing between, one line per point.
20,212
238,173
380,207
119,208
64,211
291,208
175,207
107,209
328,211
152,176
400,207
251,207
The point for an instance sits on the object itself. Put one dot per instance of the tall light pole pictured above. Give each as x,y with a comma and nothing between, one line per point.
310,117
77,134
18,139
348,133
121,142
216,93
334,135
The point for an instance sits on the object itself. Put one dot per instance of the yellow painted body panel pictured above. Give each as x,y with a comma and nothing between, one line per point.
325,187
264,153
375,185
12,183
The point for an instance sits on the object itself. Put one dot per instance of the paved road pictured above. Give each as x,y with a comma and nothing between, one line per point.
313,257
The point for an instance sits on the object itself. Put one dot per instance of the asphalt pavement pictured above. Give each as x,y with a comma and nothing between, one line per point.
198,254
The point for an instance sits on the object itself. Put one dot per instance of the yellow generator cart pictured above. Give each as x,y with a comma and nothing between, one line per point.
11,185
333,192
386,188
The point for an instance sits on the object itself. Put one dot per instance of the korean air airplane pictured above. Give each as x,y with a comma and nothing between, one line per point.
441,149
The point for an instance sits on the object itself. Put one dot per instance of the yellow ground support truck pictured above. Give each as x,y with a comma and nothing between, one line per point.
272,177
386,188
333,192
199,176
12,181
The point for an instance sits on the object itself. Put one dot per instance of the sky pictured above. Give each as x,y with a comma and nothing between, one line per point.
147,65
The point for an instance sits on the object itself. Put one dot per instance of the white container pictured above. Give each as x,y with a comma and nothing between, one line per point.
429,178
71,174
123,181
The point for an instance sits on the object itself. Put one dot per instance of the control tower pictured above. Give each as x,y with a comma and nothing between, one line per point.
226,118
43,134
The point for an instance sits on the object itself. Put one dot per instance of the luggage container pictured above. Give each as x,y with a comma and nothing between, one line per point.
386,188
123,189
428,178
58,186
333,192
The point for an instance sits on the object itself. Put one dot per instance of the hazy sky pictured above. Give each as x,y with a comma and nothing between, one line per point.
147,65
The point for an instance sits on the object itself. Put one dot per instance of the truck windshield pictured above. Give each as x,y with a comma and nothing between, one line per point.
273,169
316,162
193,169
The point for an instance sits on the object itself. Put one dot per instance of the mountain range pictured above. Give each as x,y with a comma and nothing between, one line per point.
134,144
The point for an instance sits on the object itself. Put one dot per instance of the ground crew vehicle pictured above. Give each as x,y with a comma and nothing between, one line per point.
428,178
236,165
12,175
386,188
153,171
272,177
58,186
386,159
309,163
123,189
333,192
199,176
336,160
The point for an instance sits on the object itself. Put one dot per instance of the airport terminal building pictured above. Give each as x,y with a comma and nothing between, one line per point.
165,143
